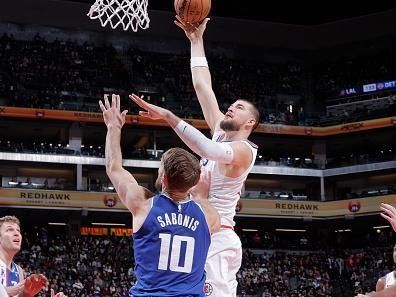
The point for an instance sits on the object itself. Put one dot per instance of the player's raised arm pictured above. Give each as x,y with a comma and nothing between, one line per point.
130,193
201,77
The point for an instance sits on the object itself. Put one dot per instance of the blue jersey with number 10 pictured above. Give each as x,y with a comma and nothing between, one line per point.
171,249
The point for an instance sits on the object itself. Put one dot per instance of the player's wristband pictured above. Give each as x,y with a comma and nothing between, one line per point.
199,62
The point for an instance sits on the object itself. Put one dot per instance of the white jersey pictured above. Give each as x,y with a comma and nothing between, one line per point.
390,279
3,292
224,191
10,277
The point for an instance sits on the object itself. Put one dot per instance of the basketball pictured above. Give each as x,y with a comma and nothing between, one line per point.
192,11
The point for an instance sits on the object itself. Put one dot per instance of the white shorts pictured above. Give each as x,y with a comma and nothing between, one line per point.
222,264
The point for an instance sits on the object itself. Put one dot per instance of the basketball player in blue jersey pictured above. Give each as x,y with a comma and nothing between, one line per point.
11,275
171,232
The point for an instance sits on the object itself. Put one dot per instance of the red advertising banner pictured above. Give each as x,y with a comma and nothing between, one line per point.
79,116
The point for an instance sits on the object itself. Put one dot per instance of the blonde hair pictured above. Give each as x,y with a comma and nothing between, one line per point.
181,168
9,219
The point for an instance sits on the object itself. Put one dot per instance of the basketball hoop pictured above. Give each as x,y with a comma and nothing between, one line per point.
128,13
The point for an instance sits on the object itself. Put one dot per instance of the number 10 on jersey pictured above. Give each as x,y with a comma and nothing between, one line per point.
171,245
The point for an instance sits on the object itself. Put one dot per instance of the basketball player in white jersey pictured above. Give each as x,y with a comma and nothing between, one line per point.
386,285
3,292
12,279
228,177
229,157
389,279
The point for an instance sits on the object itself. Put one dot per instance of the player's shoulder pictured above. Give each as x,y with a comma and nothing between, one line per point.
380,284
252,144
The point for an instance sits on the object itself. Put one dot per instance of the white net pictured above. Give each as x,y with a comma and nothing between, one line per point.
127,13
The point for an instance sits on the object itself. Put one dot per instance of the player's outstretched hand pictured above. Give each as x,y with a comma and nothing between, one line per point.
194,31
389,214
112,115
151,111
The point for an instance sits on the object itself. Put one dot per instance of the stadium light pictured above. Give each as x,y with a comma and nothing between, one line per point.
291,230
342,230
250,230
57,224
381,227
108,224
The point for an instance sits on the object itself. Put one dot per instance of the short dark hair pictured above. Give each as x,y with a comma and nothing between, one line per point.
181,168
254,111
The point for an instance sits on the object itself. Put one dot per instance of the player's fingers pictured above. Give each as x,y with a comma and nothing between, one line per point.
389,219
204,23
383,208
144,114
180,20
179,25
190,27
388,211
139,101
106,101
124,113
102,107
135,97
43,277
118,102
114,100
389,208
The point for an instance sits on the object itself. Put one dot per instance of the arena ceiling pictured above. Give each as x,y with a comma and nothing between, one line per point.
288,12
